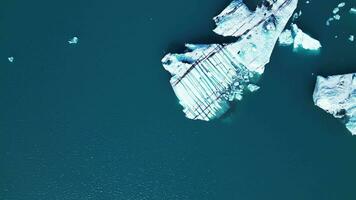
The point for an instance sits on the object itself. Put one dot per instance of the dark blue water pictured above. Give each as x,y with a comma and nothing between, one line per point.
99,120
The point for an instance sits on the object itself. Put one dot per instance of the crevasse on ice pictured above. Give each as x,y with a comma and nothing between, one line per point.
207,77
337,96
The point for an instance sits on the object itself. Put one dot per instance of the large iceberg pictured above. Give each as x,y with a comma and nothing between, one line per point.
207,76
300,40
337,96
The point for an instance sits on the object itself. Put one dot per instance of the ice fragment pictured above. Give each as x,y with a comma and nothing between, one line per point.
337,96
74,40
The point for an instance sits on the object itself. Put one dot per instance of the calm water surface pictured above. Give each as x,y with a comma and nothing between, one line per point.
99,120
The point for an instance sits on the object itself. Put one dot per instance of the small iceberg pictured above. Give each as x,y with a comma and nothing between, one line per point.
11,59
337,96
74,40
300,40
208,76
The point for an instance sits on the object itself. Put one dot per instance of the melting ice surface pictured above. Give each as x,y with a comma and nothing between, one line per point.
296,37
207,76
337,96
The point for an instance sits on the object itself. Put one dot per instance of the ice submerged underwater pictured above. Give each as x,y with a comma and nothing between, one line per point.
207,77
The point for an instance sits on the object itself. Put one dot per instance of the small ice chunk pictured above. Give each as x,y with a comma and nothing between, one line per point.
336,10
337,17
342,4
352,38
253,87
307,2
74,40
329,20
352,10
297,15
11,59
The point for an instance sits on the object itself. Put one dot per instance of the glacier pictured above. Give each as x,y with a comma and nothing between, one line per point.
300,40
337,96
207,77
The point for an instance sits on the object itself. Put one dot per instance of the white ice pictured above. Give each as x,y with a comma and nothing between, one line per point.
337,96
299,39
74,40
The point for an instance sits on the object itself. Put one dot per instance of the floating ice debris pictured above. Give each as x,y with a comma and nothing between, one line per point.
307,2
299,39
11,59
296,15
342,4
352,10
74,40
207,77
351,38
335,11
337,96
329,20
253,87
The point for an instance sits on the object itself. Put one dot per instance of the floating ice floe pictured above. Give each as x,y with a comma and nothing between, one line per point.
206,77
351,38
352,10
74,40
253,87
337,96
11,59
296,37
335,11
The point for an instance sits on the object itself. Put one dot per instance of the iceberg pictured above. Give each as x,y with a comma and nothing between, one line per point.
352,11
11,59
74,40
299,39
208,76
337,96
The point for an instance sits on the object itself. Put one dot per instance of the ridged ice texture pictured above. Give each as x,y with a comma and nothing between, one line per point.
207,77
337,96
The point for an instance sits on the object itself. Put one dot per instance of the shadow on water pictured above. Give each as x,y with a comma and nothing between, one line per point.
252,4
207,39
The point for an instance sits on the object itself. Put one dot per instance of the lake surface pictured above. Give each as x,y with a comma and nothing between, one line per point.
99,120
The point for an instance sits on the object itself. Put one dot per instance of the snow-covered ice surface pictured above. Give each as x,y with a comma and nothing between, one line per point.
206,77
300,40
337,96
